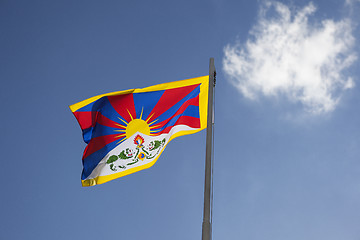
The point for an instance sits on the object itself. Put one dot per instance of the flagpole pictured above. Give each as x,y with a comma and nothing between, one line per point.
207,219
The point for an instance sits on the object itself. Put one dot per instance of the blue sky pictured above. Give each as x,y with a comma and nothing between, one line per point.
287,134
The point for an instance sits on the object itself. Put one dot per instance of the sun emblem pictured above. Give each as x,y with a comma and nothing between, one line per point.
137,125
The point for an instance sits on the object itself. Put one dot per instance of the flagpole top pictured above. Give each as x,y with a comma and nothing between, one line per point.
212,71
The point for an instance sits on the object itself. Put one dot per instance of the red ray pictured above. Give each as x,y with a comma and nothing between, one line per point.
122,104
85,119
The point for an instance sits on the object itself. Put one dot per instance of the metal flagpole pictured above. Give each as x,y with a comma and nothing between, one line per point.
207,220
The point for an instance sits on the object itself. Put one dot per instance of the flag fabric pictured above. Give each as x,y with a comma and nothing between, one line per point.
127,131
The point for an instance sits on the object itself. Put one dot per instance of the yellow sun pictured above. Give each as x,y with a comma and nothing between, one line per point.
136,125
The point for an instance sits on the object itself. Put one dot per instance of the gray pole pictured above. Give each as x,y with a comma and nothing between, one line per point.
207,221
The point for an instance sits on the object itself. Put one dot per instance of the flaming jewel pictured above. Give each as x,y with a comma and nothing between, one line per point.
139,140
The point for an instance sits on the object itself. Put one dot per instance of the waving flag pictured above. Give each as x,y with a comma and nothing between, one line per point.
127,131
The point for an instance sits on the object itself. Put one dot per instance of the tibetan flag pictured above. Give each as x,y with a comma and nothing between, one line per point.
127,131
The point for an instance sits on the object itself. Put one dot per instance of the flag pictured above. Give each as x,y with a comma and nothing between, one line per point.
127,131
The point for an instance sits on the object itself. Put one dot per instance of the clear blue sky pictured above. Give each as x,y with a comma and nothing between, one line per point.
287,135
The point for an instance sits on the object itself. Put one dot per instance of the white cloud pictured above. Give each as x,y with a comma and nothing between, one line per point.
350,2
288,56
